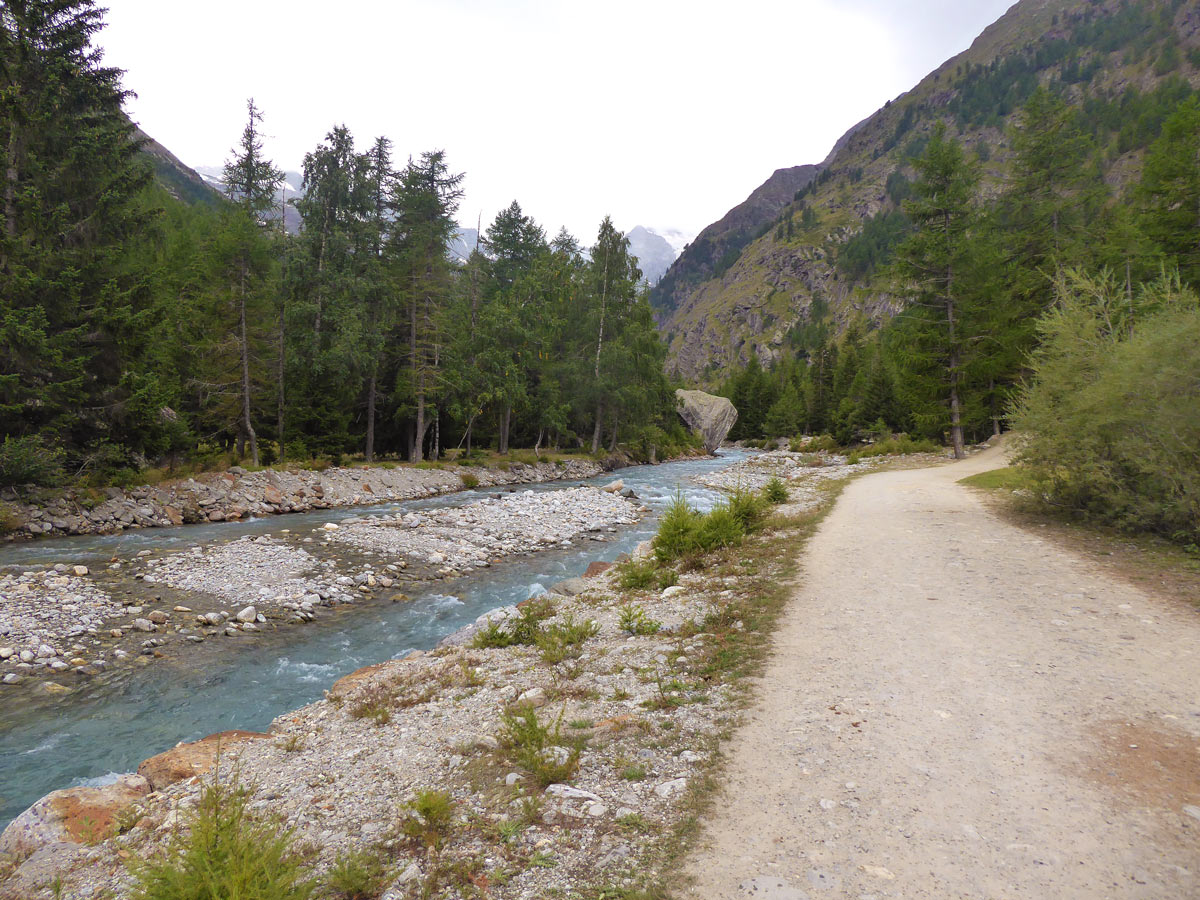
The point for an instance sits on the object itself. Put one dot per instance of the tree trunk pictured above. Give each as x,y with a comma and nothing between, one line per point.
247,427
436,452
612,444
280,407
370,449
995,408
505,425
956,432
12,175
596,430
537,447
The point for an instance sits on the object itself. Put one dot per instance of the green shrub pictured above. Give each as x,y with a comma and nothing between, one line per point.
29,460
901,446
530,743
1109,421
523,630
224,853
720,528
636,575
429,819
667,578
562,640
748,508
820,443
469,481
676,531
633,619
775,492
357,875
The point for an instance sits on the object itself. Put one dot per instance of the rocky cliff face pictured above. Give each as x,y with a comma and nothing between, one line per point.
751,278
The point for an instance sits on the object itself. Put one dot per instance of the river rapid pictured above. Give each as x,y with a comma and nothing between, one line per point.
89,736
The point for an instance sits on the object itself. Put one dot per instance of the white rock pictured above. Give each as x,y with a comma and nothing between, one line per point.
249,614
671,788
80,570
535,697
674,591
512,778
596,810
330,526
566,792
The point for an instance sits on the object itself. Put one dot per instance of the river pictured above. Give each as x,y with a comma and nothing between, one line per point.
90,736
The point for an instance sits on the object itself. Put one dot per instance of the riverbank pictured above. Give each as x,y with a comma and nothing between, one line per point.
238,494
627,714
70,624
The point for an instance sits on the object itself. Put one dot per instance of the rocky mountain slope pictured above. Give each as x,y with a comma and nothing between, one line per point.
779,262
181,182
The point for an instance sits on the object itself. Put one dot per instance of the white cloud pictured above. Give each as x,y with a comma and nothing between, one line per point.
654,111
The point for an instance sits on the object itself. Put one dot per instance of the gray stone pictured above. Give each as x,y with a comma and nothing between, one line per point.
670,788
249,614
712,418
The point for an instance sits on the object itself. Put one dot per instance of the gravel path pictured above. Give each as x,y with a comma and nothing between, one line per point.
956,708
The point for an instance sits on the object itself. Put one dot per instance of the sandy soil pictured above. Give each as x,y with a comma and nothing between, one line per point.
958,709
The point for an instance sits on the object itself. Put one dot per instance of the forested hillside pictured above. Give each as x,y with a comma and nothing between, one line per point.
1015,242
146,320
819,265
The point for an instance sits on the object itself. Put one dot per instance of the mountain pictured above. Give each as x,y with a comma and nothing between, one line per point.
181,182
807,247
654,252
291,188
463,243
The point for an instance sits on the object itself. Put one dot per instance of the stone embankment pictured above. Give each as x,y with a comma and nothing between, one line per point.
237,494
62,622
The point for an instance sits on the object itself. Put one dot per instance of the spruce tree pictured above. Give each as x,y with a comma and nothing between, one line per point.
74,318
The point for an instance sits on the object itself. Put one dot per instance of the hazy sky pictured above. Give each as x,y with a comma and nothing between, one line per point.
659,112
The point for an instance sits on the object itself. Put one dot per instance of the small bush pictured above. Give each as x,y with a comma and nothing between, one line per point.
636,575
748,508
523,630
720,528
634,620
901,446
562,640
533,746
469,481
775,492
667,578
820,443
29,460
224,853
429,819
357,875
676,531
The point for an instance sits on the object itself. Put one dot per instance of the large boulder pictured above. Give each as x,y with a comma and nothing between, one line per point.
710,417
73,816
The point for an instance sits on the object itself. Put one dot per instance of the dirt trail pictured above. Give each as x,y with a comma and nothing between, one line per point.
958,709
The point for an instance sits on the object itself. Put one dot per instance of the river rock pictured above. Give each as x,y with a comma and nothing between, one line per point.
711,417
74,815
569,587
193,758
249,614
614,487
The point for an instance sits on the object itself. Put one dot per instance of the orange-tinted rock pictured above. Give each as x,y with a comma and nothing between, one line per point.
194,758
597,568
75,815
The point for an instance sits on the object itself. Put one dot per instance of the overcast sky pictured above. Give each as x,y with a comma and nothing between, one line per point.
663,113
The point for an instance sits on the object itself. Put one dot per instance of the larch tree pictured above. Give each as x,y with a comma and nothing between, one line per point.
935,269
251,180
